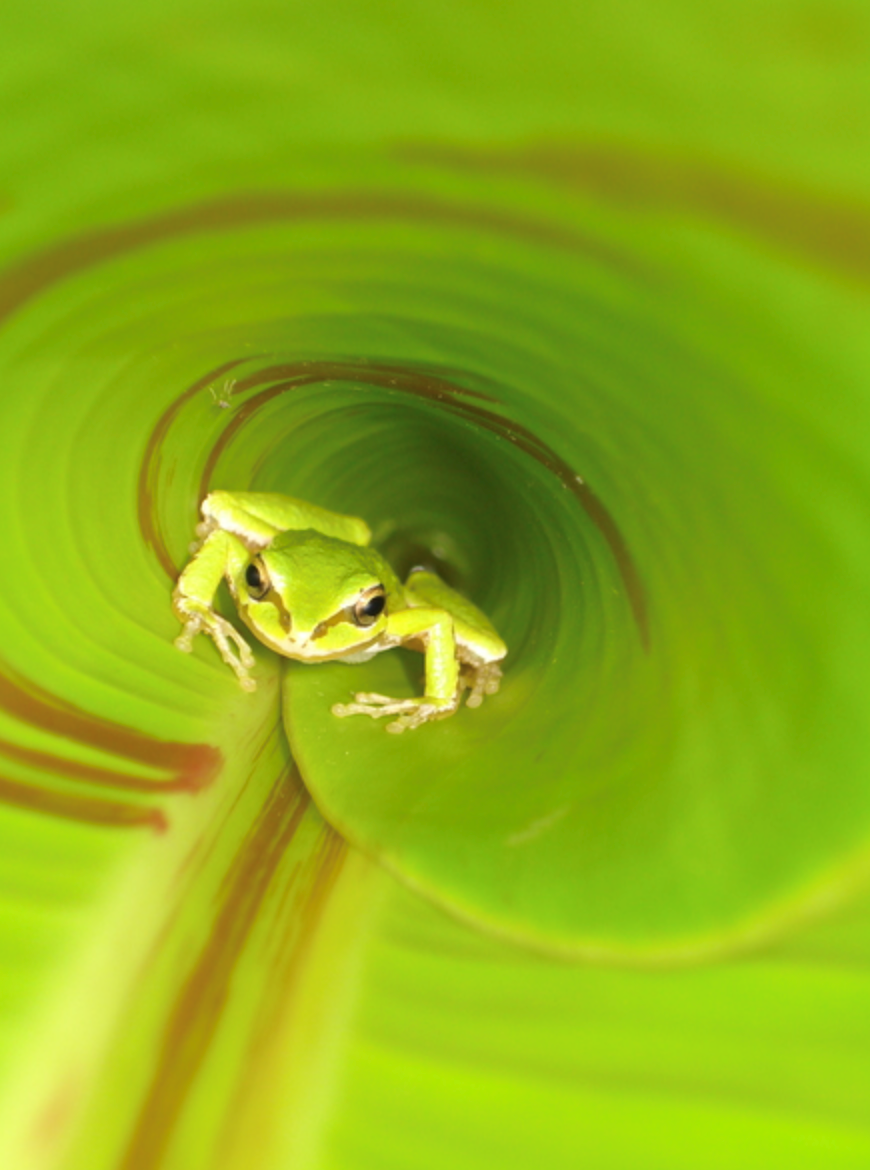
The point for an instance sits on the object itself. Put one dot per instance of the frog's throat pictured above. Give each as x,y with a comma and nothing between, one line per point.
304,647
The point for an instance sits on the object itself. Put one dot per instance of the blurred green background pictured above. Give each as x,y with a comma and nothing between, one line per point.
572,298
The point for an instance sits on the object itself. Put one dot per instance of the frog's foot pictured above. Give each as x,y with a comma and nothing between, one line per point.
203,531
481,680
226,636
412,712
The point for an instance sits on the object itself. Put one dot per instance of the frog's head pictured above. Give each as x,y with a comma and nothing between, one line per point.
312,597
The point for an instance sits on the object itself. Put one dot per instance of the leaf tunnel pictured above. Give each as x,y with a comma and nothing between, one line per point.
617,395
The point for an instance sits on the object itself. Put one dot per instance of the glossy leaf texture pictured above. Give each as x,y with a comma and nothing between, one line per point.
590,336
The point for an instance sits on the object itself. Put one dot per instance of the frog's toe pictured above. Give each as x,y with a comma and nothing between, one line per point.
234,650
184,641
372,699
485,680
411,712
409,721
192,625
246,655
374,705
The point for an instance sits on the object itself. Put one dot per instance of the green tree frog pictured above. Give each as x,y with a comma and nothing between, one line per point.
309,585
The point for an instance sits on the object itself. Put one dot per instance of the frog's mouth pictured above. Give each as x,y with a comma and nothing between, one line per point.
306,647
308,651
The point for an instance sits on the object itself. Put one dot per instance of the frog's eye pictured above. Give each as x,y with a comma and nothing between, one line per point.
370,606
257,580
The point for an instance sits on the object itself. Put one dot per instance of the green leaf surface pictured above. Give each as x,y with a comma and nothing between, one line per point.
431,266
470,1052
655,775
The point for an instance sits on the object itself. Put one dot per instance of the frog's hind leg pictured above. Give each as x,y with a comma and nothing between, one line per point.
258,517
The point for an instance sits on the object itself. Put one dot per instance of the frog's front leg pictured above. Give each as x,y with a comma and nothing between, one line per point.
478,645
433,629
193,603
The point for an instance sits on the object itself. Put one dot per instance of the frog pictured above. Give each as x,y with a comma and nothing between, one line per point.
309,584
